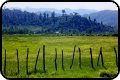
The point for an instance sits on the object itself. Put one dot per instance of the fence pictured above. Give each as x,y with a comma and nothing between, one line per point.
55,59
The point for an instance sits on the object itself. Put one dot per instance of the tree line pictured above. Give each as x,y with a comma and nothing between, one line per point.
22,22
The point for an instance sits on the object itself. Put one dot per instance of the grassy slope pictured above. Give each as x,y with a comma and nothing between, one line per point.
64,42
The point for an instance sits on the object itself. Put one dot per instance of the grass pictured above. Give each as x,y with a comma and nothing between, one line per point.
22,42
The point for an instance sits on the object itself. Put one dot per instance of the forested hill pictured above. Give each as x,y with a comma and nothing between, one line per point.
108,17
16,21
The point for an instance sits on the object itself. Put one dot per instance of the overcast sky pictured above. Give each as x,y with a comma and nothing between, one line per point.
62,5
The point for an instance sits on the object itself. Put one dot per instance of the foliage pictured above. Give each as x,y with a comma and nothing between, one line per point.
107,17
65,24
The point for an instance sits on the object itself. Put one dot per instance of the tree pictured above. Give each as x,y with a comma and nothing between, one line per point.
101,23
47,15
89,31
89,18
53,16
94,20
75,13
63,12
40,16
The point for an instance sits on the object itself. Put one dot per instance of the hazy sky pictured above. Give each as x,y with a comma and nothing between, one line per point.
62,5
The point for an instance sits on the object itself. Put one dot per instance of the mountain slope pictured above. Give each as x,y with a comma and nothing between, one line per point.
108,17
17,21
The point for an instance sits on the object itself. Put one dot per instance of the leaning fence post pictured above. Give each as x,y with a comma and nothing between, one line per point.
79,57
91,58
100,54
36,60
27,61
102,57
73,57
5,63
55,59
98,59
44,58
62,61
116,57
17,60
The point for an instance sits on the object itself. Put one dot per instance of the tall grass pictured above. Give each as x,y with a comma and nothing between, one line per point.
22,42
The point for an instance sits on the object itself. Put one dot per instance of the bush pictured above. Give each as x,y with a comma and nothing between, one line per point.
107,74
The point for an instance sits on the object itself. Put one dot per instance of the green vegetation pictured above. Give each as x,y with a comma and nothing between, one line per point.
34,42
23,22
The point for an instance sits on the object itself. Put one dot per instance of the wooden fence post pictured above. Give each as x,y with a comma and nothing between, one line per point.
27,61
44,58
79,57
116,57
102,58
62,60
100,54
73,57
5,63
98,59
55,59
36,60
91,59
17,61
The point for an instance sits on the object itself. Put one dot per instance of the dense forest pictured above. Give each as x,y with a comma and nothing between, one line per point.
108,17
23,22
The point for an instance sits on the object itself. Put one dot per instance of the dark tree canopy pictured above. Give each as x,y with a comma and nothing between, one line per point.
17,21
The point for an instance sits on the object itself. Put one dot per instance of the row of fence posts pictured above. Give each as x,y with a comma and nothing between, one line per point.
55,59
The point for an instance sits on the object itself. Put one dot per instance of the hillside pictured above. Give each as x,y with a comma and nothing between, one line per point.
17,21
107,17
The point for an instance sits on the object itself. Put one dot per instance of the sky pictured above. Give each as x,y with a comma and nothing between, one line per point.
63,5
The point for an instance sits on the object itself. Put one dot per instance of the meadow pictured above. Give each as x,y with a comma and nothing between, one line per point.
67,43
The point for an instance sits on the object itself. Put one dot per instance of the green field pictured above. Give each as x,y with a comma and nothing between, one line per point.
34,42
